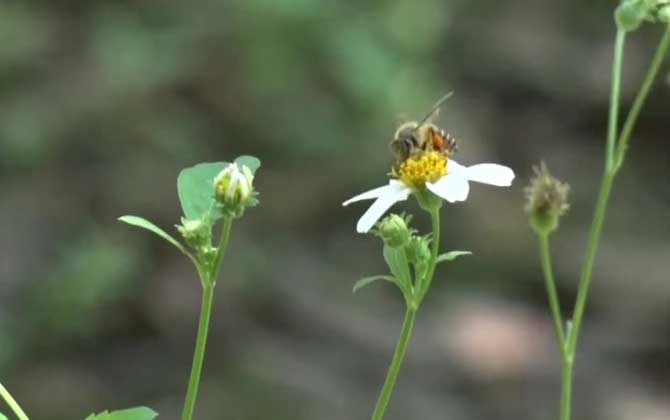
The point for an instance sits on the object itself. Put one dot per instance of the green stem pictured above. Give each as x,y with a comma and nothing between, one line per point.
554,302
209,282
616,153
606,188
199,354
612,127
592,250
641,97
408,324
223,246
394,369
11,402
435,250
566,388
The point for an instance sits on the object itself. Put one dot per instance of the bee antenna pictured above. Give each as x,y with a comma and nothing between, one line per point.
436,107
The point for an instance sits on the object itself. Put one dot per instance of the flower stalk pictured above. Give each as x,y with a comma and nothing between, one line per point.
396,363
616,149
11,402
209,282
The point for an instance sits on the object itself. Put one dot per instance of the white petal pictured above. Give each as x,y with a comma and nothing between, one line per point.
490,173
377,192
452,187
379,207
455,167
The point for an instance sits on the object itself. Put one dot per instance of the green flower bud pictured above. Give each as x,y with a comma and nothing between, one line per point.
418,250
394,230
196,233
234,186
631,14
664,14
546,200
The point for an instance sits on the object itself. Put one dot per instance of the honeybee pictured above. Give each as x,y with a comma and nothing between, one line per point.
414,137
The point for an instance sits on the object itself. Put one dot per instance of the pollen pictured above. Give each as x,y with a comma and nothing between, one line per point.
419,169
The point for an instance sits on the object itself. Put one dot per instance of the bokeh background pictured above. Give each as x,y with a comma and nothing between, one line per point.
103,102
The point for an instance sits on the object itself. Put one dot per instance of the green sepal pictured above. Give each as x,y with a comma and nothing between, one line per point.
396,259
369,280
138,413
451,256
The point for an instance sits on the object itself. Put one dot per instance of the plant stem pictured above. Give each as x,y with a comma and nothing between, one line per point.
199,354
554,303
408,324
566,387
394,369
606,188
11,402
612,127
209,282
435,249
592,250
223,246
616,153
641,97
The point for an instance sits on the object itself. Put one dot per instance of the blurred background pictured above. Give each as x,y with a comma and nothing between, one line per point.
102,103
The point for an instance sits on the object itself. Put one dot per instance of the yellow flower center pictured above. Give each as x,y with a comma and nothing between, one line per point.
422,168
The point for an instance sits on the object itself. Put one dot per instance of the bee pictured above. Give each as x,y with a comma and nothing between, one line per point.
414,137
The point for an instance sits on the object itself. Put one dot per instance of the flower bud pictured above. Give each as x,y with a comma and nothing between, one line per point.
394,230
664,14
195,232
234,186
418,250
546,200
631,14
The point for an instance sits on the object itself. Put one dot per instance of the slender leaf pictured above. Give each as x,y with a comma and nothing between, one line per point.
138,413
452,255
369,280
145,224
2,417
251,162
195,186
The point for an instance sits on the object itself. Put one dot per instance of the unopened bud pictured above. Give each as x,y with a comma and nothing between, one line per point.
664,14
234,186
418,250
394,230
631,14
546,200
195,232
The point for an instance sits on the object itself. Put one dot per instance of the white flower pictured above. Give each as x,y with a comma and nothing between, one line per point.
234,185
452,186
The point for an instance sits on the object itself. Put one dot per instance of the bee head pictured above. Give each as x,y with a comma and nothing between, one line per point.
405,141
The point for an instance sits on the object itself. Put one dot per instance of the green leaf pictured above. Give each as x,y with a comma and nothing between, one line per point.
251,162
396,259
138,413
2,417
145,224
195,186
452,255
368,280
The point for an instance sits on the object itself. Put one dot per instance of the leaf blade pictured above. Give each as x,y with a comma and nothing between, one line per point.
366,281
251,162
452,255
145,224
195,187
137,413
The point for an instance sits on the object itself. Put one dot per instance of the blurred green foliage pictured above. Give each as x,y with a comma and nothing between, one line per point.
102,103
